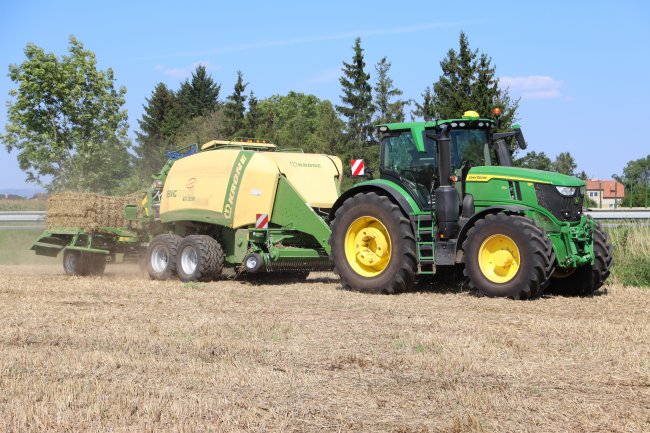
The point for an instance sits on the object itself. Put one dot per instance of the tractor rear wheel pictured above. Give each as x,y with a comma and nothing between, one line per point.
508,256
161,256
373,246
587,279
199,258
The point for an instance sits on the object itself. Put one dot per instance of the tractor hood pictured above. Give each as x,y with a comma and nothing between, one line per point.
484,174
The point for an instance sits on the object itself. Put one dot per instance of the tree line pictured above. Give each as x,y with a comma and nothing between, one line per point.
67,122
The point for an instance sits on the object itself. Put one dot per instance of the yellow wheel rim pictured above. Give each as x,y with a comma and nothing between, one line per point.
499,259
367,246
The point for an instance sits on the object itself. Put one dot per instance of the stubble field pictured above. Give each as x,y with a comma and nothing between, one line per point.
122,353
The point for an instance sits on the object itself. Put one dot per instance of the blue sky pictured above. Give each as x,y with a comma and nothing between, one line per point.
581,68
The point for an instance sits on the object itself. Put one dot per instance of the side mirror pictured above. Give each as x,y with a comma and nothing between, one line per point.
520,139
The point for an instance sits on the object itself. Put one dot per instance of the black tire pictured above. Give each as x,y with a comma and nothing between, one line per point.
161,256
399,273
74,263
95,264
199,258
587,279
535,252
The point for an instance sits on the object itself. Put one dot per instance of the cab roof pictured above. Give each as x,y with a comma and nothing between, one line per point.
417,128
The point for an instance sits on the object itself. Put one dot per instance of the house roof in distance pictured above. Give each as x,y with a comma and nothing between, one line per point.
610,188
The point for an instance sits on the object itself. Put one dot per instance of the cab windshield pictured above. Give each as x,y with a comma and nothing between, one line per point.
469,146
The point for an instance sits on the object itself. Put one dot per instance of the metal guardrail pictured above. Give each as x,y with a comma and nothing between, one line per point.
22,216
33,220
619,214
37,218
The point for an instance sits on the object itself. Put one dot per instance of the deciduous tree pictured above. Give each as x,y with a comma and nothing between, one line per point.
565,163
66,120
532,159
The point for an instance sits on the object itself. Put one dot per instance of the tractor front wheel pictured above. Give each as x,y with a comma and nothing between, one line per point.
373,246
508,256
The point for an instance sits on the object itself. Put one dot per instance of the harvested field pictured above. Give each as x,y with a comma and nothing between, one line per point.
87,210
121,353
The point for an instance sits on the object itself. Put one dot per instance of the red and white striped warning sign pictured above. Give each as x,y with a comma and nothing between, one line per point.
358,168
262,221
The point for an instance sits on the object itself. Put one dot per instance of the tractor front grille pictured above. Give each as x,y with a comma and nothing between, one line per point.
562,207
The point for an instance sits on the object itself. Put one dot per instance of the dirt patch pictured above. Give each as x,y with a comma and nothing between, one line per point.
123,353
88,211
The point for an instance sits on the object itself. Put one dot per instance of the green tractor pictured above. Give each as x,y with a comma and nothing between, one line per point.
448,196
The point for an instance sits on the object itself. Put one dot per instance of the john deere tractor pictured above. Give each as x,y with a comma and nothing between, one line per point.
448,196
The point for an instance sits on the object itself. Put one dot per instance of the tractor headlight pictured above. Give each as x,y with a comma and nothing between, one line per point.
567,191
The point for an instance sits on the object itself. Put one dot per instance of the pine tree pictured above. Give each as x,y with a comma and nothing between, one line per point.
425,110
158,125
199,96
235,108
252,116
469,82
357,106
387,110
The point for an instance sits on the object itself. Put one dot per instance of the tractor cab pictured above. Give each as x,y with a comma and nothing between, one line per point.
410,154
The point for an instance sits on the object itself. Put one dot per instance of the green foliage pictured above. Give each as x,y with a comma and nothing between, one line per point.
468,82
357,108
565,163
22,204
636,178
253,115
631,255
532,159
66,121
160,122
426,109
14,248
387,110
200,96
301,121
200,130
235,109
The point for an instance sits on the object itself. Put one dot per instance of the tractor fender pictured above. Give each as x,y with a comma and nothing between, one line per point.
509,209
380,188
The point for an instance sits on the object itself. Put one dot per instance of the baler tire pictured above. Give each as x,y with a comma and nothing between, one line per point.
209,259
74,263
398,274
166,244
585,280
535,253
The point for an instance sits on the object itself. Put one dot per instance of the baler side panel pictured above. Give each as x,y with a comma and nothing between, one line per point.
292,213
